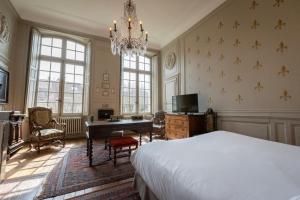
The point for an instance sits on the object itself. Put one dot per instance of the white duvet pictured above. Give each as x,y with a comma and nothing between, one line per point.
220,166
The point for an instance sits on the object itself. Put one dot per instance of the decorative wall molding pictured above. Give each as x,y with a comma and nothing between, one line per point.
283,130
4,29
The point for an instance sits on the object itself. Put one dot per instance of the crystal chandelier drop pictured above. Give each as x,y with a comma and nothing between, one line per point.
129,38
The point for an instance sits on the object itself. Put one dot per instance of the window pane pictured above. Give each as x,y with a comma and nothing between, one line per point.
44,76
45,65
79,69
54,87
70,69
68,107
79,79
56,52
79,56
55,76
68,97
53,97
80,47
126,83
126,64
147,67
147,78
71,45
126,75
147,60
77,108
132,76
43,86
132,84
53,106
133,65
46,51
141,59
57,42
55,67
69,78
70,54
41,104
42,96
47,41
78,88
132,92
141,77
77,98
69,87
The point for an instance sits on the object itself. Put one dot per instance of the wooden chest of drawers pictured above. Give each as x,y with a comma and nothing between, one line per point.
184,126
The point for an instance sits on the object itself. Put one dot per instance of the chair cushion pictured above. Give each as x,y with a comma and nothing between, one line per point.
51,132
123,142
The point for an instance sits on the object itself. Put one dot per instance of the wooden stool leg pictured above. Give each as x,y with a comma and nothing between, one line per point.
129,152
109,148
115,157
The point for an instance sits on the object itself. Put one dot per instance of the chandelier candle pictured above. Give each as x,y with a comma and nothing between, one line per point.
128,38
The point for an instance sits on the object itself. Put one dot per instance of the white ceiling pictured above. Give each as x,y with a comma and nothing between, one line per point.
163,19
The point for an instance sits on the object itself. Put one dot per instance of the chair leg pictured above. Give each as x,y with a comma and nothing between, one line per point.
38,147
87,147
64,140
129,152
105,144
109,149
115,157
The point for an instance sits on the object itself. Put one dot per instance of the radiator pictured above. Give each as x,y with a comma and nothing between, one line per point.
74,126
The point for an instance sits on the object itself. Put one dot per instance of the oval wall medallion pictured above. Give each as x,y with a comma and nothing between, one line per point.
170,60
4,32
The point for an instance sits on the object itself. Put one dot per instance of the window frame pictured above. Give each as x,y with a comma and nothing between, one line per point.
137,71
63,61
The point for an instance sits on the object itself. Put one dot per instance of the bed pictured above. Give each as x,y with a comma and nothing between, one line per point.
217,166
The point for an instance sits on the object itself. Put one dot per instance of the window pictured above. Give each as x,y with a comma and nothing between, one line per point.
136,85
60,77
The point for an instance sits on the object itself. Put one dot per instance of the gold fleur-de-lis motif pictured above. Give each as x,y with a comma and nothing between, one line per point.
255,24
238,79
197,38
210,101
189,50
198,52
281,47
208,54
285,95
280,24
256,44
209,69
278,3
209,84
257,65
283,71
222,74
236,25
220,25
237,61
221,41
258,86
208,39
221,57
239,98
253,5
223,91
237,43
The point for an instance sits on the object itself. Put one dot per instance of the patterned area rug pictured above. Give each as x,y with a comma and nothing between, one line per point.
122,191
73,172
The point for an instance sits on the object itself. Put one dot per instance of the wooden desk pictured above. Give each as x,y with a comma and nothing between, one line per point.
103,130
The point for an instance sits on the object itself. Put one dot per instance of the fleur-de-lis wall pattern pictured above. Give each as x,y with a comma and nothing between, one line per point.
222,58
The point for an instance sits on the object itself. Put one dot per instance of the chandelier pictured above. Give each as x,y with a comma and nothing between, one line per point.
129,37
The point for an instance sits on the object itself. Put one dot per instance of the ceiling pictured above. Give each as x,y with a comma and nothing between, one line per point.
163,19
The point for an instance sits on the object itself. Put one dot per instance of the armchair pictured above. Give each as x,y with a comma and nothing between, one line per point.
43,128
159,123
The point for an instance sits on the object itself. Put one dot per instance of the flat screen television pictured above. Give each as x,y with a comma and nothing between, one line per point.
185,103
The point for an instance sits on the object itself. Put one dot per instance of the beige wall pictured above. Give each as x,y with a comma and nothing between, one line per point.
220,60
7,49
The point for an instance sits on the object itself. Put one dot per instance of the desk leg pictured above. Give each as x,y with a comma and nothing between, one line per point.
150,136
87,147
140,139
91,151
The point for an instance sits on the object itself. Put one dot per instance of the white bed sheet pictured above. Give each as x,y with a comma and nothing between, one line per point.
220,166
